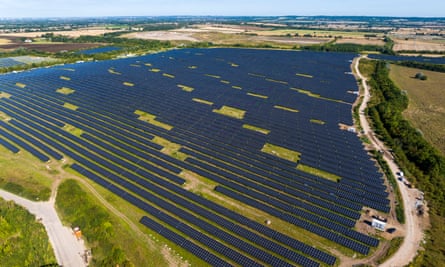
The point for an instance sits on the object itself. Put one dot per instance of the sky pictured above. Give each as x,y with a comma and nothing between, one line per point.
94,8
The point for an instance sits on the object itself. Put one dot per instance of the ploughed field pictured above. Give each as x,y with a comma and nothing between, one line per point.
260,126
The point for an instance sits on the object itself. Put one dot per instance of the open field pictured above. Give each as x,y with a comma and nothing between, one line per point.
73,34
162,35
426,109
14,42
22,175
180,158
361,41
224,37
417,44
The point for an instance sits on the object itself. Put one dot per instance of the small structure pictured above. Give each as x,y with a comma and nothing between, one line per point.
379,223
77,232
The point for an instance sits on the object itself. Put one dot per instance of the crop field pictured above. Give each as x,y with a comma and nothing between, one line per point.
13,42
426,110
207,129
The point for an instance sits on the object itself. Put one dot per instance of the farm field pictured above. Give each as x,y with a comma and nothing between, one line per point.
226,37
12,41
194,137
417,44
426,110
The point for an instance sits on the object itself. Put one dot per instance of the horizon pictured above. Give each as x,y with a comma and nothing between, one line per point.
221,16
34,9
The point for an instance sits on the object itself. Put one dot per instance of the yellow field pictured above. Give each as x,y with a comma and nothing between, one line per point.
426,109
4,41
418,45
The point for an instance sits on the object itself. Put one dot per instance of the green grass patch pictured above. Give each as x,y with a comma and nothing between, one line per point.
366,67
281,152
213,76
231,112
186,88
155,70
426,109
233,65
128,84
170,148
4,116
21,85
225,82
276,81
202,101
68,69
147,117
81,210
73,130
256,75
23,240
168,75
310,94
306,92
65,91
24,175
4,95
256,129
395,244
237,87
304,75
258,95
317,121
318,172
196,183
286,108
112,71
70,106
148,64
65,78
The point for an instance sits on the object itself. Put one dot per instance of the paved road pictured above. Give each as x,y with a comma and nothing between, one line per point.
67,248
413,232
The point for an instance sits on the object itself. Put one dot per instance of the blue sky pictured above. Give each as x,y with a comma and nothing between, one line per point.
83,8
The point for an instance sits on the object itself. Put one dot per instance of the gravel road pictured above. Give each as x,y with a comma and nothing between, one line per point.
413,236
67,249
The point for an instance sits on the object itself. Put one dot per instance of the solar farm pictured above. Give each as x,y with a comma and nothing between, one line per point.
263,127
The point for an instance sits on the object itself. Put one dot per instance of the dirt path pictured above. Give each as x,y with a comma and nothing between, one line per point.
413,230
67,249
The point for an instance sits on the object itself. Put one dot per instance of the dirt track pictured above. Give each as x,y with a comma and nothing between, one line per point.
413,230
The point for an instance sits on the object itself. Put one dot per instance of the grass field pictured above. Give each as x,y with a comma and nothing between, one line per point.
281,152
231,112
24,175
426,109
